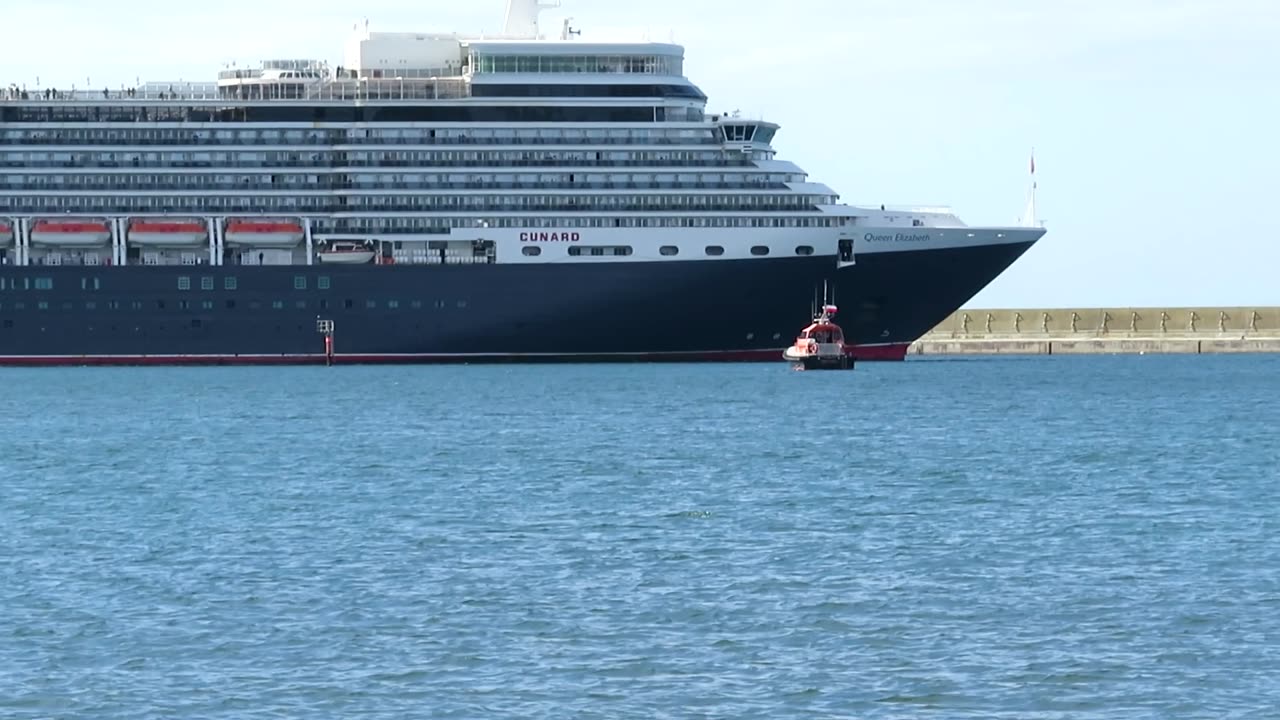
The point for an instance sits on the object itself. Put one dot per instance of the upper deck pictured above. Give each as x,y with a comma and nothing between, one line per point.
397,70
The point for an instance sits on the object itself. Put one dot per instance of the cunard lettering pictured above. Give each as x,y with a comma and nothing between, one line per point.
549,237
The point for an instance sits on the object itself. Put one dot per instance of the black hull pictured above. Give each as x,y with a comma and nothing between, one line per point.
714,309
892,299
484,311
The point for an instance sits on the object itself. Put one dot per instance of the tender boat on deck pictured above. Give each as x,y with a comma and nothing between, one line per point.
346,253
821,346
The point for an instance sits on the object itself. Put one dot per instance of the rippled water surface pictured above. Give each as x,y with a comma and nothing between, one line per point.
1018,538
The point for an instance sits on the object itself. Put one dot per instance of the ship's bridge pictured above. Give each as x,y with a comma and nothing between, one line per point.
746,135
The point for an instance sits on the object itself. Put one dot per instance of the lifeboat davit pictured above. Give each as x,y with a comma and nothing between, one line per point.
6,234
263,233
70,233
167,233
346,253
821,345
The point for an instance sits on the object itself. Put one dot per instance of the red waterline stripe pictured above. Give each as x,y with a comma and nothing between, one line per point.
877,352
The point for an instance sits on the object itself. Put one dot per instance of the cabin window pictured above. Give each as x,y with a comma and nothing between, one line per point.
184,283
393,304
229,283
600,250
300,282
760,250
804,250
206,283
531,250
322,282
277,304
715,250
669,250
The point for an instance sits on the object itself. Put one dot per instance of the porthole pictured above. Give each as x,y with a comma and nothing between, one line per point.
669,250
531,250
760,250
715,250
804,250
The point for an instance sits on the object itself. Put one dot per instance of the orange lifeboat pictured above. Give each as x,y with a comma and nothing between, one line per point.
263,233
821,345
70,233
167,233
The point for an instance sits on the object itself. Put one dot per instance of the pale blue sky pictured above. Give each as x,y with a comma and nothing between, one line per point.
1154,121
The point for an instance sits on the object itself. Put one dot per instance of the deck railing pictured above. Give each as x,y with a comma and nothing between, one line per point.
325,91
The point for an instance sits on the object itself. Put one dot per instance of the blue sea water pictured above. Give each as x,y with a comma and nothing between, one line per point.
988,538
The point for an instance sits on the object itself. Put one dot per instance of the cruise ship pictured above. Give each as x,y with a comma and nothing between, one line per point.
443,197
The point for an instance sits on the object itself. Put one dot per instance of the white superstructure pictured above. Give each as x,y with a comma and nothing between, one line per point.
429,148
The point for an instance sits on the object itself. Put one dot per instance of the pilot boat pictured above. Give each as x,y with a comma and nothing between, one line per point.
821,345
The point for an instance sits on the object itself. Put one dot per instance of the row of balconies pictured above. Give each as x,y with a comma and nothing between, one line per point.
82,184
339,164
350,142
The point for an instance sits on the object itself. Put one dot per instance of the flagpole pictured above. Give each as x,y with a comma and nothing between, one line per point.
1029,217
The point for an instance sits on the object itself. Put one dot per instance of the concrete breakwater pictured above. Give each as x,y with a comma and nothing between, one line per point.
1067,331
